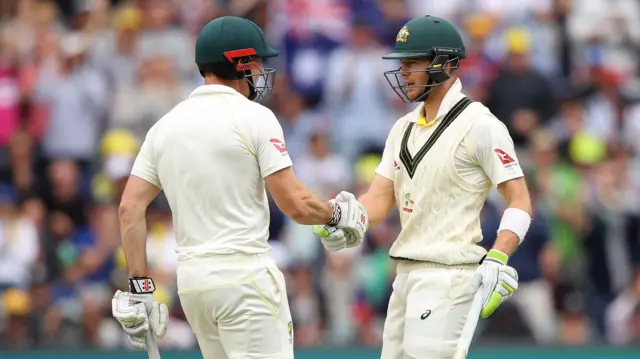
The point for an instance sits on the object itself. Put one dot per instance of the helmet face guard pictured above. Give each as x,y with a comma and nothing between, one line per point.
261,79
436,72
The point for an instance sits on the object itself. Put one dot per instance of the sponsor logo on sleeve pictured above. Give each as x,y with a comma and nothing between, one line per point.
507,161
279,146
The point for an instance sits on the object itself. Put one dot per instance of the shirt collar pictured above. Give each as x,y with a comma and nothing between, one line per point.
450,99
213,90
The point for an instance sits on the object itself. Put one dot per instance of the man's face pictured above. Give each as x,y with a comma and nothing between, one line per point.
256,76
256,73
414,76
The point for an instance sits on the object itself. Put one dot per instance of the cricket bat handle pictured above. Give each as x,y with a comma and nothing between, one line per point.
469,327
152,346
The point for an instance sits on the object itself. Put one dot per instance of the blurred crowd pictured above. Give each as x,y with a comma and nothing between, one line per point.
81,81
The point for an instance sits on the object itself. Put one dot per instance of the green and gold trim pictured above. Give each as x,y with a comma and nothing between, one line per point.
411,163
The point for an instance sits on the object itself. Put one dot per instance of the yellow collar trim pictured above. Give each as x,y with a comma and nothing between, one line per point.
423,122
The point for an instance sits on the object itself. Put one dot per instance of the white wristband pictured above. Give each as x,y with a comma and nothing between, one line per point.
516,221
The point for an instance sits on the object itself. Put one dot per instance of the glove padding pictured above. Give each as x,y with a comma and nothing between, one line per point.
335,239
139,314
499,281
350,229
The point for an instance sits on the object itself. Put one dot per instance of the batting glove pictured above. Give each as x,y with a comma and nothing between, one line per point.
138,312
499,281
347,228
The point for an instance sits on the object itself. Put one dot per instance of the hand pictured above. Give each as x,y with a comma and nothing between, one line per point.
345,235
139,313
499,281
334,239
351,215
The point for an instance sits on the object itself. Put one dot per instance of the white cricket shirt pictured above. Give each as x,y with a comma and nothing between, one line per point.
440,205
210,154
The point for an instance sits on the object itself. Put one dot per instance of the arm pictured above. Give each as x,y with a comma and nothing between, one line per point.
133,227
292,197
378,200
143,186
295,200
137,310
493,149
516,195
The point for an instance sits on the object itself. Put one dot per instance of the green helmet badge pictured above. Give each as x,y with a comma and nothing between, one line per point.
402,35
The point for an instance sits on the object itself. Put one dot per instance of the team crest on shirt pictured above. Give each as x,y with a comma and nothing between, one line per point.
279,146
507,161
408,203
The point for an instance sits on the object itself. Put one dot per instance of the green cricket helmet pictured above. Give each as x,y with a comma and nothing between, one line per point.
426,37
229,46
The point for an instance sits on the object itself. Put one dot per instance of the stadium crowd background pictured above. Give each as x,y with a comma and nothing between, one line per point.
82,81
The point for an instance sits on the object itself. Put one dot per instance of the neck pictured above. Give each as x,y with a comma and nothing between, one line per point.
212,80
432,104
435,98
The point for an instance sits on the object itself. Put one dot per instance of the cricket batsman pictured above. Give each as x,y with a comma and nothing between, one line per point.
213,155
439,163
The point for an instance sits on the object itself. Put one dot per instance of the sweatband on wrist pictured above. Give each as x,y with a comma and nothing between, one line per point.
336,214
141,285
516,221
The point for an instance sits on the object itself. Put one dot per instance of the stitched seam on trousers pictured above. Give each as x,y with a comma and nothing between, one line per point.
270,306
452,297
282,291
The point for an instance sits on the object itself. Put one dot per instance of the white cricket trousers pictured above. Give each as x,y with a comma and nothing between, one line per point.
427,311
237,306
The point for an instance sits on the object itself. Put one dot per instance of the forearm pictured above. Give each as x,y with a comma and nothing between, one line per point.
376,209
310,210
508,241
133,231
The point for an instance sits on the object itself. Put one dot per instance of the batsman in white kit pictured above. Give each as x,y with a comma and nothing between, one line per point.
439,163
213,155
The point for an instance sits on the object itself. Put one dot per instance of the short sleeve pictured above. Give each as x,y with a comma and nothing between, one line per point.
387,166
145,165
271,150
493,149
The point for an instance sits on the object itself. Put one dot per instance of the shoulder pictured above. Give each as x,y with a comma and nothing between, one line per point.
261,110
251,111
157,127
261,117
486,124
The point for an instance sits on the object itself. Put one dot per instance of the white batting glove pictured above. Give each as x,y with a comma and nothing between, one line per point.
349,224
139,312
499,281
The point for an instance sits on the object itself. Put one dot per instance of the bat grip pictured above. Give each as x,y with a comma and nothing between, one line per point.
152,346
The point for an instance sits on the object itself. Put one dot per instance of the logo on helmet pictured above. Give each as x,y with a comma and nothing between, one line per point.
402,34
243,58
